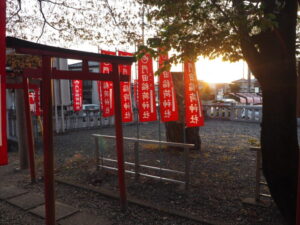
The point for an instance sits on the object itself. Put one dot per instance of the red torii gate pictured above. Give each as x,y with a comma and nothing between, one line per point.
46,73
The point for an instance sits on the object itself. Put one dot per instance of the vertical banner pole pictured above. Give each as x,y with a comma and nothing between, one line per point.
29,130
186,150
136,144
119,135
48,141
159,128
3,141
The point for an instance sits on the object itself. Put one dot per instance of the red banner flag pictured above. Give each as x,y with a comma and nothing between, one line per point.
106,89
127,114
167,97
31,102
193,107
37,101
77,94
146,91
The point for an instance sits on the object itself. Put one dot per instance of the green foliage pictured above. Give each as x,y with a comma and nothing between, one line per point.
211,28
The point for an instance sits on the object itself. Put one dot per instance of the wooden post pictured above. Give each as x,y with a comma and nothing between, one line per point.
187,168
298,114
119,136
21,129
136,160
258,172
48,141
97,153
29,129
3,136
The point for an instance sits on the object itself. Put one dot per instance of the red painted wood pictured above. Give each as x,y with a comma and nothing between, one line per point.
31,149
119,137
3,138
73,75
72,54
48,141
20,86
46,75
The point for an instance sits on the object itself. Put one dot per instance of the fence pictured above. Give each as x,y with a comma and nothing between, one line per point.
234,113
259,178
135,167
85,120
88,120
70,121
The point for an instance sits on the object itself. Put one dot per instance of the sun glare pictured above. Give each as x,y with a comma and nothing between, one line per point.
218,71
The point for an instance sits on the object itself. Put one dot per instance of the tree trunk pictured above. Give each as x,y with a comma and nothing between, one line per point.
279,141
174,130
271,57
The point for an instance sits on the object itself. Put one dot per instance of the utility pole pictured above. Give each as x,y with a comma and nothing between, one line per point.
249,80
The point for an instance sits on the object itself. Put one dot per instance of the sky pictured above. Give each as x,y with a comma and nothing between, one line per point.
212,71
217,71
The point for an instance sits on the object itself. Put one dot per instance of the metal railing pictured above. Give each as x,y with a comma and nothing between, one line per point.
136,164
89,120
234,112
71,121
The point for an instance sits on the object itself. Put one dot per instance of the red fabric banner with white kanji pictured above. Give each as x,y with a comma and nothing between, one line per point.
37,101
146,90
105,89
193,107
127,113
77,95
167,97
31,102
3,135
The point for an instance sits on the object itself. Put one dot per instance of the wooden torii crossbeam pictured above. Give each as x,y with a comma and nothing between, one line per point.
46,73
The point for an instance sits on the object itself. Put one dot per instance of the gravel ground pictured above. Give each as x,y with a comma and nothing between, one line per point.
222,174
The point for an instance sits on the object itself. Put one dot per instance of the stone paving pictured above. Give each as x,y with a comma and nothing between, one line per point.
33,204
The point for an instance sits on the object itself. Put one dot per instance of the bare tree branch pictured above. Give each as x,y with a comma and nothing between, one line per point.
111,12
42,32
44,17
16,13
63,4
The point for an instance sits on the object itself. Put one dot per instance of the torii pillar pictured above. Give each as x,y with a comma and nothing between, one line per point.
3,136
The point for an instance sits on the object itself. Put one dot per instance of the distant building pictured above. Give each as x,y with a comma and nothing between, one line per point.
244,86
90,93
221,89
247,92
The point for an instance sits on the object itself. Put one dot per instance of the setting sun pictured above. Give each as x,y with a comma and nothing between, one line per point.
218,71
